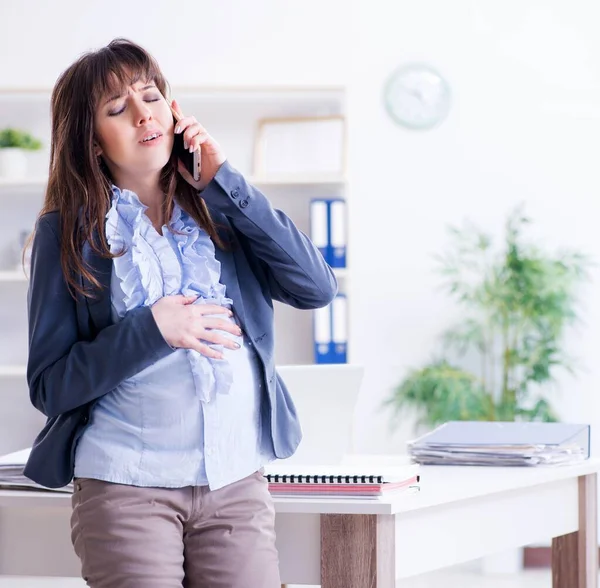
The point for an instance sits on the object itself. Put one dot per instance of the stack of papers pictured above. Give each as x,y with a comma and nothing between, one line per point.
502,444
11,473
340,481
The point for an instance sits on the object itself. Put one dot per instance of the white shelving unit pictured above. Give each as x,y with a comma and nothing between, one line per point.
231,114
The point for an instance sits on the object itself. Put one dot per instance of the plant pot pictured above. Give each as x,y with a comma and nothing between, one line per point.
13,163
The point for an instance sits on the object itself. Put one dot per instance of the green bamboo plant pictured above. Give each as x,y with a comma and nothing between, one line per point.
517,304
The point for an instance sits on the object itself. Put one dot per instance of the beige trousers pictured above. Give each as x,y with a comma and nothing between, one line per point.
133,537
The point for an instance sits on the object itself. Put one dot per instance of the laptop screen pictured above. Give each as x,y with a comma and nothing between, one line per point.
325,397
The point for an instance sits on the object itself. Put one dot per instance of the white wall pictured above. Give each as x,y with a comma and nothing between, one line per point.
524,126
200,42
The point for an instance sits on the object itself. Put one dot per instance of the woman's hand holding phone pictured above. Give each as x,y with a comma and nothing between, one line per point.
195,136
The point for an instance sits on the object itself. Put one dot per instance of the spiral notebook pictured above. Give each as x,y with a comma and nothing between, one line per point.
340,480
339,474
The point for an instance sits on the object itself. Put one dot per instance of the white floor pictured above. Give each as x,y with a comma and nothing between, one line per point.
445,579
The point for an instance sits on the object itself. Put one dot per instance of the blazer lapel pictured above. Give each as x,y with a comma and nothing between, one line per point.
99,304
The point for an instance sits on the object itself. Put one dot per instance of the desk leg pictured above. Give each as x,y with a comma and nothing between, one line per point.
358,551
575,556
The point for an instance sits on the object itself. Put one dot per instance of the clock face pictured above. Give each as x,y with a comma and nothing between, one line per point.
417,97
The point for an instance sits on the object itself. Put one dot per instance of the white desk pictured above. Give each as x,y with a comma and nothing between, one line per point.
460,514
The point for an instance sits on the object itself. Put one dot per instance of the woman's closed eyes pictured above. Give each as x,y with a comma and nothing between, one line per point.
147,99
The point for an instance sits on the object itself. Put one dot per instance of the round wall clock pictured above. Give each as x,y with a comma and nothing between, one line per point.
417,97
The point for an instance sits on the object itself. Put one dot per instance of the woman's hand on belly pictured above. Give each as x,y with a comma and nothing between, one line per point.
187,325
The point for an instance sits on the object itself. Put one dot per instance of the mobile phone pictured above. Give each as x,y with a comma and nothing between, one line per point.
190,160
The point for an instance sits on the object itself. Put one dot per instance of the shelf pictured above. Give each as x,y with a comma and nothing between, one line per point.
12,276
297,181
23,182
260,95
19,276
40,183
13,371
264,93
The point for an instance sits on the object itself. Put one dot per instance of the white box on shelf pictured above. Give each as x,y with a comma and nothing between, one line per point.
297,147
12,276
13,371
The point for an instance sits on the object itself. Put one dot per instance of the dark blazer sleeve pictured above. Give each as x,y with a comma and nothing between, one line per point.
296,271
64,372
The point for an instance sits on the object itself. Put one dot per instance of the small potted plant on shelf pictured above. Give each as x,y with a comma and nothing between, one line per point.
13,144
497,364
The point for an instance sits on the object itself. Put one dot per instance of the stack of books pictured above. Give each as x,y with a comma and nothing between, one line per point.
341,481
502,444
12,477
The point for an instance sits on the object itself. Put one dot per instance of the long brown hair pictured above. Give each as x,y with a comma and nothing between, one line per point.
79,183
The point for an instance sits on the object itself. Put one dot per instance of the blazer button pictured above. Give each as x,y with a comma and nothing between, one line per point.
243,204
235,193
85,419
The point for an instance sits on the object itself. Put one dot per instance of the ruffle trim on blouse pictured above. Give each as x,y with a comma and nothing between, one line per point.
143,278
201,270
150,269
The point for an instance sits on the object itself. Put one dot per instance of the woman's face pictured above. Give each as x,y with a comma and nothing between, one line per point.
134,132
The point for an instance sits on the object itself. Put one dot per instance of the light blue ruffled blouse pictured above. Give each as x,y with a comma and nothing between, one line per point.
187,419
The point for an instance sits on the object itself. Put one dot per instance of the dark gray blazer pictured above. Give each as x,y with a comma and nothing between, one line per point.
77,354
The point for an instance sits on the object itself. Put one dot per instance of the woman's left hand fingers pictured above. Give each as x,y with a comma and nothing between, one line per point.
184,123
194,134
